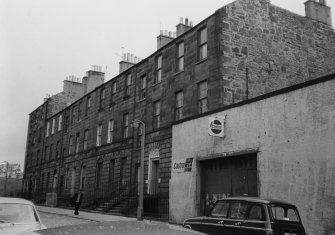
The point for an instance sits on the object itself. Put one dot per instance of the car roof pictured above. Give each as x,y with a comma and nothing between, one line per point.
15,200
257,200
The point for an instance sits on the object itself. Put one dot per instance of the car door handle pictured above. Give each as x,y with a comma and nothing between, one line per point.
238,223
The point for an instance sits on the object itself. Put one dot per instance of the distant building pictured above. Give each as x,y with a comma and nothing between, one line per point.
245,50
10,179
14,171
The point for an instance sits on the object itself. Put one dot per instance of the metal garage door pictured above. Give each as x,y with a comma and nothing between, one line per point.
227,177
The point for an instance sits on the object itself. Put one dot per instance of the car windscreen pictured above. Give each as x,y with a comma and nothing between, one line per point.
17,213
284,213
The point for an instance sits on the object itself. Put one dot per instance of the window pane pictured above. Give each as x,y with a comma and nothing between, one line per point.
157,108
282,212
202,90
128,82
17,213
180,49
256,213
159,62
203,51
203,36
181,64
220,209
114,88
238,210
203,106
143,82
179,99
159,75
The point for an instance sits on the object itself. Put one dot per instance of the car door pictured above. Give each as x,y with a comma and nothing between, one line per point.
256,221
215,221
236,216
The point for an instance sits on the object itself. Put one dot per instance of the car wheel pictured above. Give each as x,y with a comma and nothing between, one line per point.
188,226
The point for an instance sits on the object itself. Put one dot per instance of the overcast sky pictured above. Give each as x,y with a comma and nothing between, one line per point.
44,41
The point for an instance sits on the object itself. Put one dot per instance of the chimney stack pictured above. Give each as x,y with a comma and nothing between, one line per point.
318,10
128,60
183,27
164,38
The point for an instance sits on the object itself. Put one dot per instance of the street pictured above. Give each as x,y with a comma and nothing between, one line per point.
54,220
56,217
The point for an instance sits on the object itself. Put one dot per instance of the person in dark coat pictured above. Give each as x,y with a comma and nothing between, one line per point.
77,198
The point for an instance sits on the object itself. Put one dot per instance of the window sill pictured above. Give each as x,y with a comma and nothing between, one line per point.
179,72
140,100
201,61
156,83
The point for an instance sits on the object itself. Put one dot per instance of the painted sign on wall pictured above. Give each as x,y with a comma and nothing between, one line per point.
184,166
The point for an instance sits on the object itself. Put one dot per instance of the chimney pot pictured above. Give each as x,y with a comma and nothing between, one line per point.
181,20
186,21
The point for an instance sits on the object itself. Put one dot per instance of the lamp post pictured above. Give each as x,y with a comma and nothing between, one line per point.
136,124
5,188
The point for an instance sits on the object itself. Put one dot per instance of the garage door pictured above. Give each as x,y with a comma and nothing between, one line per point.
227,177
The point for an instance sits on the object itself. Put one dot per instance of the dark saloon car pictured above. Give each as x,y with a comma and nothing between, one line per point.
249,216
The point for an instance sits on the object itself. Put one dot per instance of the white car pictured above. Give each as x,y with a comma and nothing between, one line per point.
18,216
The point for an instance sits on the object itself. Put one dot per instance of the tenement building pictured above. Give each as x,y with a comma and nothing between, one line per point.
246,49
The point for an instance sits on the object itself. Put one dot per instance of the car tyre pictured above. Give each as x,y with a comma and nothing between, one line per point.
188,226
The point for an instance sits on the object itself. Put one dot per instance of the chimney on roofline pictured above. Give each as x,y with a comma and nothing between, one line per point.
318,10
164,38
128,60
183,27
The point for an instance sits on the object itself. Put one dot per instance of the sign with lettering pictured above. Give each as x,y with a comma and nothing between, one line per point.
184,166
216,126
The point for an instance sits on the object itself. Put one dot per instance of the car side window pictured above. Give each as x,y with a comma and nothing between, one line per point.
238,210
256,213
220,209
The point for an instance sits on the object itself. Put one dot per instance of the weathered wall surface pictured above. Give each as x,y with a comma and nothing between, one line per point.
294,133
278,47
13,186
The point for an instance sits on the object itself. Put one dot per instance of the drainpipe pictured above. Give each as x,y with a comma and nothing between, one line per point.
247,82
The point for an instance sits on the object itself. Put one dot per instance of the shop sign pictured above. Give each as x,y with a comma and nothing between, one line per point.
184,166
216,126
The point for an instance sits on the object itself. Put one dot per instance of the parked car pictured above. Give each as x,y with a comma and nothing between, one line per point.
118,227
18,216
249,216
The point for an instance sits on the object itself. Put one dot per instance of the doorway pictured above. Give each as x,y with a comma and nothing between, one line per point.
227,177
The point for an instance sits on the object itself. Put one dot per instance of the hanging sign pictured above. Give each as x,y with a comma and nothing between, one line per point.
216,126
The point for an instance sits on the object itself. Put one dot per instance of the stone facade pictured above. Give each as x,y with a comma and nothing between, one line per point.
251,48
270,48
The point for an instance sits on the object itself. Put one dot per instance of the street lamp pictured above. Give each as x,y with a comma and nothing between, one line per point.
136,123
5,188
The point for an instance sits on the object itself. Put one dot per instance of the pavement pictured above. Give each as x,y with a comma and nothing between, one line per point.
91,216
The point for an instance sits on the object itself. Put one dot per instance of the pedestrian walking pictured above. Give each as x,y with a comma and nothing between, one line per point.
78,198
